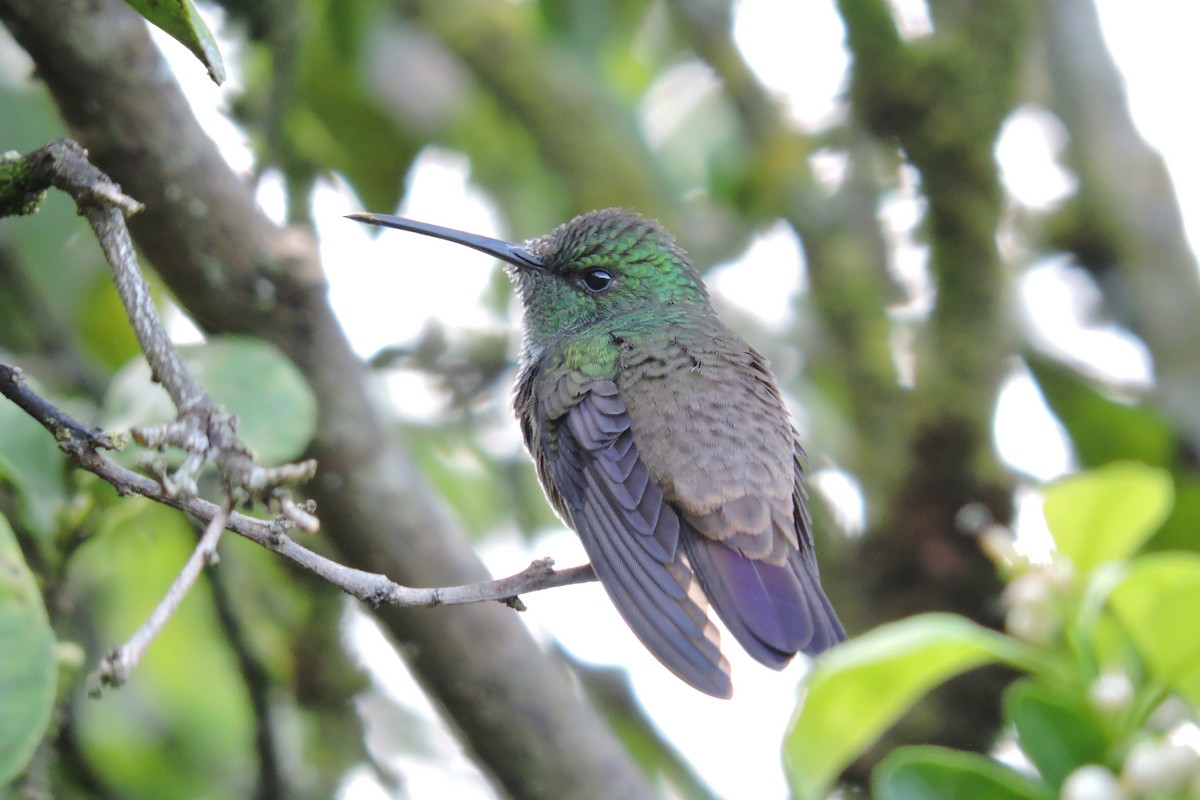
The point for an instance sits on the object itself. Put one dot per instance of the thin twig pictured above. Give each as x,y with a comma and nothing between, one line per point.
62,426
80,442
121,660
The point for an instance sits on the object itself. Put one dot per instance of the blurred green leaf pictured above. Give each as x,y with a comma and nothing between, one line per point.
485,491
181,726
180,20
334,121
1158,602
30,118
1102,430
461,474
860,688
276,410
103,325
28,673
1181,531
31,463
938,773
1057,731
52,264
607,34
1106,514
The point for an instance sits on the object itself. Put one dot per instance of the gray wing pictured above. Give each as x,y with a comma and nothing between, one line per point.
632,536
717,439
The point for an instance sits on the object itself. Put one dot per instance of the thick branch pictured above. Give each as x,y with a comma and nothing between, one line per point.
1125,224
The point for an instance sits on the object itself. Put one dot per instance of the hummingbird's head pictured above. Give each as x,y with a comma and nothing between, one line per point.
609,265
612,265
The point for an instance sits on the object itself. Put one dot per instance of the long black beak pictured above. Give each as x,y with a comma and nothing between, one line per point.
514,254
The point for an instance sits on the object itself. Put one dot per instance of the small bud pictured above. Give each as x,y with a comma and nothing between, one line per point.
1092,782
999,545
1060,574
1033,623
1111,692
1156,766
1029,589
70,655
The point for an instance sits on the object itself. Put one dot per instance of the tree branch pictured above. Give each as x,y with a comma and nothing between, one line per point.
64,165
1124,224
204,429
81,443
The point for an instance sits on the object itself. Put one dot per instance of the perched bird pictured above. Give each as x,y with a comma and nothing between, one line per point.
661,438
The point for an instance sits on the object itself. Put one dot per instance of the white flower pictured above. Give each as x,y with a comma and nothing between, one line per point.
1111,692
1156,766
1092,782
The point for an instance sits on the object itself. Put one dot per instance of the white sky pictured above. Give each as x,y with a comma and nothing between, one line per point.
383,300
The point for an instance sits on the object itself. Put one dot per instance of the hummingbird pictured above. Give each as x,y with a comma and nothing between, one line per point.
661,438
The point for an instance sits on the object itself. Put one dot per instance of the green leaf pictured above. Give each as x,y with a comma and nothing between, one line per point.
1181,531
186,690
31,463
276,410
336,121
1106,514
1157,603
28,673
1101,429
1057,731
102,324
1104,430
856,691
180,20
938,773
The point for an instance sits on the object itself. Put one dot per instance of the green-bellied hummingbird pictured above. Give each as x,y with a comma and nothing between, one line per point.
661,438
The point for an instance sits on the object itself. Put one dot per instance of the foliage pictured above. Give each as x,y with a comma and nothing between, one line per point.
1102,635
27,665
183,22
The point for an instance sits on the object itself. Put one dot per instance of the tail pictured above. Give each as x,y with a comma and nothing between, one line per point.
774,611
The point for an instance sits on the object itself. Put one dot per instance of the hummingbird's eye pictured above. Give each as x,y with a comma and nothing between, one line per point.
597,280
